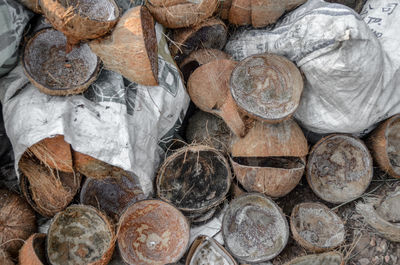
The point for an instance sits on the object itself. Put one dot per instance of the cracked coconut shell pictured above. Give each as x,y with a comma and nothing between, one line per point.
33,251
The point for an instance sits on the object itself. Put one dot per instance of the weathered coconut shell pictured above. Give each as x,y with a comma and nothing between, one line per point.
254,228
329,258
111,195
5,258
181,13
240,12
80,235
32,5
46,190
33,251
91,167
17,221
152,232
267,87
54,152
339,168
389,207
316,228
208,87
55,72
132,48
385,146
206,250
81,19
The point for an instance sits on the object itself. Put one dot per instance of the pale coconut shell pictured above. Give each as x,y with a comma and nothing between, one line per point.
384,143
240,12
17,221
5,258
80,20
181,14
32,5
132,48
33,252
91,167
329,258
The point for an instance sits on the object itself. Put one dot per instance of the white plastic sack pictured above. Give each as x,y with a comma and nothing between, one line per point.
351,75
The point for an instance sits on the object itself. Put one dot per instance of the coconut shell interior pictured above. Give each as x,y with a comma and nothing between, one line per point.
330,258
393,144
5,258
100,10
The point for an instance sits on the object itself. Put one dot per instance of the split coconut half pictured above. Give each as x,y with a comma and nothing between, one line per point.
329,258
33,252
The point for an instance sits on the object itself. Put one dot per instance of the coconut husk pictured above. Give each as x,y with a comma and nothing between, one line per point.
81,19
208,87
46,190
91,167
181,14
223,10
316,228
17,222
132,48
80,235
52,70
384,143
329,258
240,12
33,252
152,232
5,258
54,152
32,5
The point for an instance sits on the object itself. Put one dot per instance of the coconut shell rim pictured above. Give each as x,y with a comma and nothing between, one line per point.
301,158
30,249
306,257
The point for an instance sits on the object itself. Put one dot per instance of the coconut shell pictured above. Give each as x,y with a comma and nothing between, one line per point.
240,12
181,14
17,222
32,5
152,232
54,152
81,19
208,87
91,167
33,252
80,235
132,48
46,190
5,258
223,10
329,258
384,143
357,5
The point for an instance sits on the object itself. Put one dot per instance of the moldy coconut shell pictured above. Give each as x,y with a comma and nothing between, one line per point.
33,252
329,258
131,49
91,167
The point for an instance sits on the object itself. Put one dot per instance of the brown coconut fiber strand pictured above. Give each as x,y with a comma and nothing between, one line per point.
33,251
131,49
240,12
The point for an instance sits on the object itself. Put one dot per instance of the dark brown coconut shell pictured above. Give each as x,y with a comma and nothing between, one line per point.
47,191
52,70
33,252
152,232
254,228
91,167
240,12
132,48
32,5
81,19
357,5
267,87
208,87
384,143
111,195
54,152
329,258
316,228
181,14
5,258
339,168
17,222
80,235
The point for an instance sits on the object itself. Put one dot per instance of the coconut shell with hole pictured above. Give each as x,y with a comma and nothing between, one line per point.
131,49
384,143
91,167
81,19
80,235
152,232
329,258
33,251
254,228
339,168
181,13
17,221
54,152
208,88
32,5
267,87
5,258
48,191
195,179
316,228
55,72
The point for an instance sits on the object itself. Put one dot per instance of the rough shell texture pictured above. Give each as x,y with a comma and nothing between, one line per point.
80,235
208,87
152,232
316,228
181,14
131,49
54,152
389,207
240,12
385,146
223,10
91,167
339,168
55,72
17,221
329,258
33,251
81,19
254,228
32,5
267,87
5,258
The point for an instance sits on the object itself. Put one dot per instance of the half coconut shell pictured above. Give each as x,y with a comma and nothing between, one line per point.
33,252
329,258
91,167
5,258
